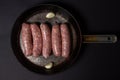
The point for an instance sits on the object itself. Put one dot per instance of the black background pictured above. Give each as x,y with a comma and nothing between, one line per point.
96,62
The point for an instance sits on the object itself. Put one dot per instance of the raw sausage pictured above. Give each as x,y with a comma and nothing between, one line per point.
65,34
37,39
26,39
56,40
46,36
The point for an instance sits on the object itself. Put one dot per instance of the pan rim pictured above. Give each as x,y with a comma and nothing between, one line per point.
14,32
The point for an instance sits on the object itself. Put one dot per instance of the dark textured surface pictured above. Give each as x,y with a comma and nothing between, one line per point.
96,62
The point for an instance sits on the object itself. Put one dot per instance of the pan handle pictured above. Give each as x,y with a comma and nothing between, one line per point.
99,38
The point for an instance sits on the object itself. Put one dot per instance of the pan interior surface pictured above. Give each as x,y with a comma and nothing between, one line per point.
38,15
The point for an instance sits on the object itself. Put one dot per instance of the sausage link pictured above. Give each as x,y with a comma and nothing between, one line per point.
37,40
65,34
46,35
26,39
56,40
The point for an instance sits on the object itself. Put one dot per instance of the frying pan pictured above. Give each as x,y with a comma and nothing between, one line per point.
38,15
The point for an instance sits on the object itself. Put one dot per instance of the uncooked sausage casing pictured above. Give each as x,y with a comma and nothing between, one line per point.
26,39
56,40
46,35
37,39
65,34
